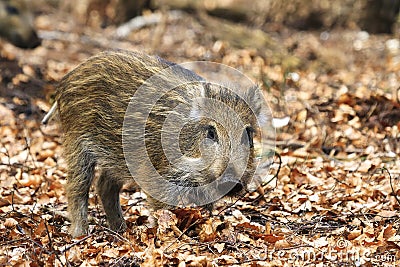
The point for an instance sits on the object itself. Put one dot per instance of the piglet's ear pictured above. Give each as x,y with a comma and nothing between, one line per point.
254,99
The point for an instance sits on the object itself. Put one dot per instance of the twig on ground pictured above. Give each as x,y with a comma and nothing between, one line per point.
182,234
391,185
75,243
51,244
119,236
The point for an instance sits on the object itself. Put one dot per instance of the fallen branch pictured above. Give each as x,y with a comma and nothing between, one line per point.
144,21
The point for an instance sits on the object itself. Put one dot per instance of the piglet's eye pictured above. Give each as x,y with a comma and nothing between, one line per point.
12,10
212,133
247,137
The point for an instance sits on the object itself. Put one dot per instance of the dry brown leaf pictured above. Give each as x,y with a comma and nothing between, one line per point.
249,226
111,253
298,178
268,228
365,166
41,228
226,260
389,231
10,223
194,261
74,255
219,247
282,243
271,238
187,216
44,154
387,213
165,219
321,242
395,238
207,232
354,234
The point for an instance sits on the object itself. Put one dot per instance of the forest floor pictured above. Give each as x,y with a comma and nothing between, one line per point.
334,199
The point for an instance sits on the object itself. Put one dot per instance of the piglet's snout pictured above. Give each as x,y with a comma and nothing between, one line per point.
230,182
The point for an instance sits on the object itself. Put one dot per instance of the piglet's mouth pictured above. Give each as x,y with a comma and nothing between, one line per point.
230,185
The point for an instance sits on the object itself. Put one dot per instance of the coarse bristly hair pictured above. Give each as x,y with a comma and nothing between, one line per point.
92,101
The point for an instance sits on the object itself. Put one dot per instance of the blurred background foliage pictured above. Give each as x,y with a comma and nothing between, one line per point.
374,16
